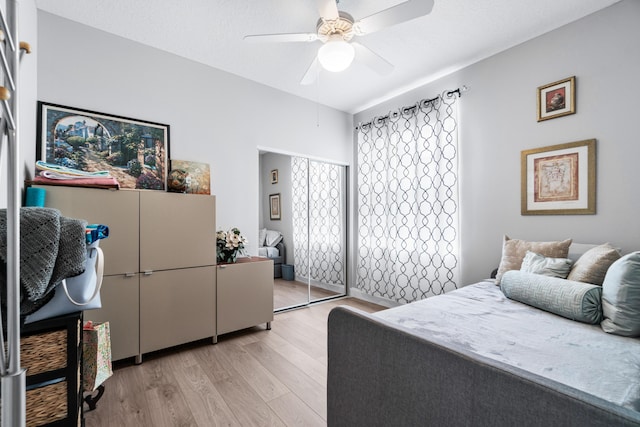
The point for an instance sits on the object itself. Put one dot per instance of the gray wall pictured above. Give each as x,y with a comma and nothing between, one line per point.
222,119
498,121
215,117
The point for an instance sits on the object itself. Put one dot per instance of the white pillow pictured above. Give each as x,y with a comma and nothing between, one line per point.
262,235
547,266
272,238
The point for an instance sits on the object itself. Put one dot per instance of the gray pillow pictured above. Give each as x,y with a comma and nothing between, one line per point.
592,266
621,297
573,300
547,266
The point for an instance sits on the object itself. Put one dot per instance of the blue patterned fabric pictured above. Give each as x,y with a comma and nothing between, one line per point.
573,300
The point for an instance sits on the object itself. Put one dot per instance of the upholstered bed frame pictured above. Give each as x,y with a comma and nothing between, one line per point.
380,374
527,349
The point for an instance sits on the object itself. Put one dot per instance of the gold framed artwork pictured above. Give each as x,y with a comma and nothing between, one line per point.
198,176
559,179
274,176
557,99
274,206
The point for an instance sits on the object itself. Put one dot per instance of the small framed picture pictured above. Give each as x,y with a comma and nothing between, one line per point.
557,99
559,179
274,176
274,203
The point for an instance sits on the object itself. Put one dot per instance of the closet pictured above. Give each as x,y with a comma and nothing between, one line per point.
313,223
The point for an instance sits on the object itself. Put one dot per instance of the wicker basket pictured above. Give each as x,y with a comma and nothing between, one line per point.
46,404
44,352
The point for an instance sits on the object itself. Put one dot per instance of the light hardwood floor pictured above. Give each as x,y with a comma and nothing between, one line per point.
253,377
287,293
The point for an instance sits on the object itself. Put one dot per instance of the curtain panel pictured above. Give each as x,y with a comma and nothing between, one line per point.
408,208
318,221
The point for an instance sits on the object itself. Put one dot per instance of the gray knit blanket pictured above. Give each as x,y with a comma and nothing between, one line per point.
52,248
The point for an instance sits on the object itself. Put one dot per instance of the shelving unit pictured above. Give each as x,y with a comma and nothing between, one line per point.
51,351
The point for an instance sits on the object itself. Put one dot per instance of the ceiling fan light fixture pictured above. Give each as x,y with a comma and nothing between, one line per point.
336,55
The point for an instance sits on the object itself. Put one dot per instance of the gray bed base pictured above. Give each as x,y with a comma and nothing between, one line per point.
380,374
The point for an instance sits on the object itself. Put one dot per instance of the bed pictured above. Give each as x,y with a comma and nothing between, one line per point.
474,357
271,245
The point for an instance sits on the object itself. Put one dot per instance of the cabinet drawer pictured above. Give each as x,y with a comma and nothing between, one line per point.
44,352
47,404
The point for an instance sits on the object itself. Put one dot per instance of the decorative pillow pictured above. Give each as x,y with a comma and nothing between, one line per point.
540,264
272,238
621,297
573,300
592,266
262,235
514,250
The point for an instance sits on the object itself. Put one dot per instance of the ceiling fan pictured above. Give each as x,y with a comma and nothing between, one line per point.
336,29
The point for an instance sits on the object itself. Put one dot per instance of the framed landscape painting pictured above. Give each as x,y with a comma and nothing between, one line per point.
559,179
134,152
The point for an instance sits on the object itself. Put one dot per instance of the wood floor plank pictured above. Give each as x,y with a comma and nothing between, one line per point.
308,390
294,412
310,340
247,406
264,383
209,357
287,293
165,396
206,403
124,403
314,368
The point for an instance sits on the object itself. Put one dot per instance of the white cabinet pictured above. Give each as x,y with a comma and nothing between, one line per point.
244,294
159,288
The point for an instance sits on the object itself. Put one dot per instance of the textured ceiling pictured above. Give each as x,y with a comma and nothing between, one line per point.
456,33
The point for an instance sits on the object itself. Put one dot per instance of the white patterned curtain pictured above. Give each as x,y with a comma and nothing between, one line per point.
318,220
408,202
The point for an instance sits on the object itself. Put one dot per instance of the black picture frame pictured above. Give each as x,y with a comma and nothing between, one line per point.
134,151
274,207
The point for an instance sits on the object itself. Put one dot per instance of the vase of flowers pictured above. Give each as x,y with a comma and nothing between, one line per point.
229,244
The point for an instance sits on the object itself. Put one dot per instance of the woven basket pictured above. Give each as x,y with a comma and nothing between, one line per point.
46,404
44,352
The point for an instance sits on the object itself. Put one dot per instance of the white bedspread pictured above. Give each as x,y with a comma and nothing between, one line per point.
268,251
481,319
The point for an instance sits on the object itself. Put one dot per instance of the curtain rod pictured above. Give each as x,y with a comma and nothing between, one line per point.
447,93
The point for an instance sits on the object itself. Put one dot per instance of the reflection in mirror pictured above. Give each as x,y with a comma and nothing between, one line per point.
319,225
309,258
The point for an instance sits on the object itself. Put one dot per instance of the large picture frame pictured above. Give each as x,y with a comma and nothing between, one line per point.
559,179
557,99
135,152
274,207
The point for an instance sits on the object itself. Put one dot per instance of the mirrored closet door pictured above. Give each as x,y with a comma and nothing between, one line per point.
304,200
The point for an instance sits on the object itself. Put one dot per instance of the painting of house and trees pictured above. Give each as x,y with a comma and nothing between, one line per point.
133,151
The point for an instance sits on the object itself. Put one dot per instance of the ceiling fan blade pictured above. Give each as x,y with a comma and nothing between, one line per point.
293,37
328,9
312,73
402,12
372,60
